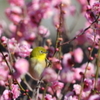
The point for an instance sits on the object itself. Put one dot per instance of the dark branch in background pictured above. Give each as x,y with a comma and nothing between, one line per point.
80,33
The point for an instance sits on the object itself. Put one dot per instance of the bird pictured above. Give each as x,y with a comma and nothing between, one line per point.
38,62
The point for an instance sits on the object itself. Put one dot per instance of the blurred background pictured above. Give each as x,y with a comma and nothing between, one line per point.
73,23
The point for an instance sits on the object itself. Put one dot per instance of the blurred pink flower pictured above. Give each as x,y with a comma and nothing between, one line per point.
17,3
49,97
7,95
96,8
77,88
70,96
14,14
92,10
43,31
21,67
15,91
56,63
66,74
57,87
67,60
50,75
90,69
77,74
93,38
12,27
94,97
23,49
85,93
78,55
11,94
4,71
25,31
88,84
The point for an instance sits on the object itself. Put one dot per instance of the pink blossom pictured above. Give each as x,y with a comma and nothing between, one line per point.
23,49
57,85
77,88
50,75
56,63
6,95
85,93
14,14
67,60
12,27
4,71
77,74
26,31
17,3
70,96
78,55
21,67
20,49
96,8
43,31
92,10
94,97
66,74
11,94
15,91
90,69
49,97
88,84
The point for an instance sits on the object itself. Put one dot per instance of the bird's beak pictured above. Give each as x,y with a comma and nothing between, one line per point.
46,52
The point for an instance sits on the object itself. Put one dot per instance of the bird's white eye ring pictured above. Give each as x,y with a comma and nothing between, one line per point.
41,51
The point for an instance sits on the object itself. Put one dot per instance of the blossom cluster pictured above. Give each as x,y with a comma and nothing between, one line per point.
72,73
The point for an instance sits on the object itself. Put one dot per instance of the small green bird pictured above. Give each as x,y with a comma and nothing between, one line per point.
37,62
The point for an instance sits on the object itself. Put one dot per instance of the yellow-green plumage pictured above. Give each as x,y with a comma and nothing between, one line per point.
37,62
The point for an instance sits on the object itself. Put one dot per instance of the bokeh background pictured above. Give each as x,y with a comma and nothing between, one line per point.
73,23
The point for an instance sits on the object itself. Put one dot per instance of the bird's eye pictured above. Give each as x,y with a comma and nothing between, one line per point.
41,51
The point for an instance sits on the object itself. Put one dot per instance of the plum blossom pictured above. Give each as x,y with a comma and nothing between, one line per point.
77,88
11,94
90,69
67,60
56,87
66,74
4,71
14,14
15,91
6,95
94,97
43,31
49,97
78,55
56,63
85,93
21,67
50,75
23,49
77,74
70,96
17,3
